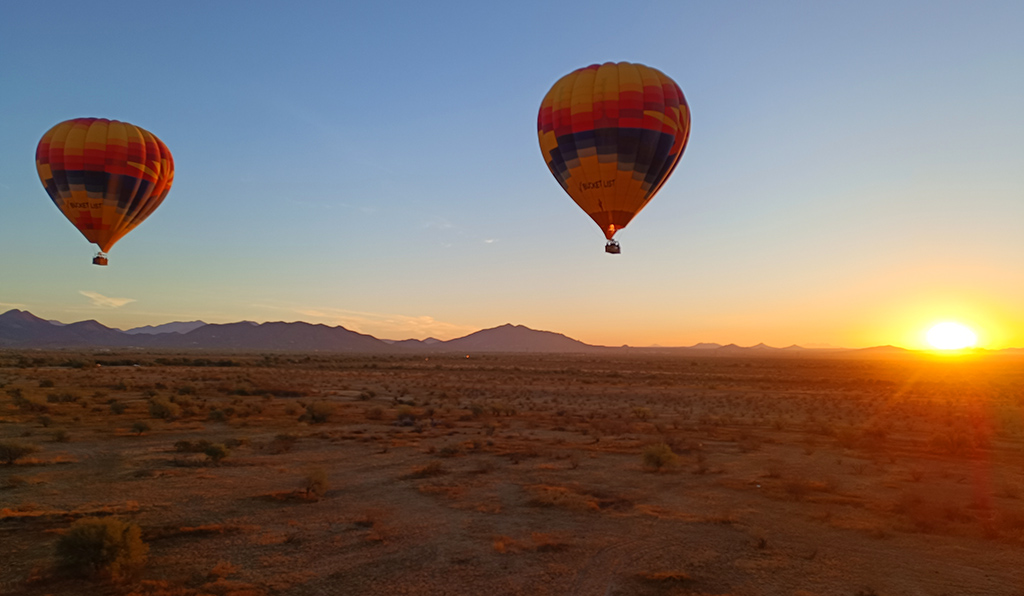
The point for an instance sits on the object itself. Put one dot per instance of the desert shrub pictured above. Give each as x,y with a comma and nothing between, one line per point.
318,412
117,407
61,436
641,413
374,413
26,404
216,452
62,398
45,420
283,443
406,416
161,408
217,416
315,482
184,402
11,451
140,427
657,456
46,383
449,451
104,547
186,390
199,446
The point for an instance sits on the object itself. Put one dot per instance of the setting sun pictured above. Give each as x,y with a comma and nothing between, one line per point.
951,336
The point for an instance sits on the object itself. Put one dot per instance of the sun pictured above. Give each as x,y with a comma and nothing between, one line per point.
951,336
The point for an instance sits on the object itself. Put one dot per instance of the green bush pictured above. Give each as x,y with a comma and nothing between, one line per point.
102,547
11,451
657,456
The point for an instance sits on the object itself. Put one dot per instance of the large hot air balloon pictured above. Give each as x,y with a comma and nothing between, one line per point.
105,176
612,134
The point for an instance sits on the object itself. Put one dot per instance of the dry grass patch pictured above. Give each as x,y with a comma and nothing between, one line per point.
430,470
538,542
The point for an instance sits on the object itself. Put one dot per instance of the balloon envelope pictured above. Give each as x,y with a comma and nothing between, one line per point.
611,135
105,176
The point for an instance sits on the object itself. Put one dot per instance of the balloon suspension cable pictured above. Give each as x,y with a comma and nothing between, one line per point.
100,259
612,247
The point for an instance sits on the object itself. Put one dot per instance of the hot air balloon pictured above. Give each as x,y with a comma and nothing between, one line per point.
611,135
105,176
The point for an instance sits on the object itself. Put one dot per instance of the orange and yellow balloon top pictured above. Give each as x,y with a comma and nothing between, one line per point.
105,176
611,135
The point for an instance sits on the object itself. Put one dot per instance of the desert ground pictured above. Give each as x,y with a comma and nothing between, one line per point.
284,474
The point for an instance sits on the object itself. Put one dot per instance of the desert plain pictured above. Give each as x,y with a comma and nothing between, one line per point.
544,474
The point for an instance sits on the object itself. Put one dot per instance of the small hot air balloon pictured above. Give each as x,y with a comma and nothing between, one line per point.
105,176
611,135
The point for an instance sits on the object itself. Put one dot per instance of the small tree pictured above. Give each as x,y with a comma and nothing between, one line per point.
11,451
140,427
102,547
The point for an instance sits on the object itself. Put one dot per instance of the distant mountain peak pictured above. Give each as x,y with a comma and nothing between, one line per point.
175,327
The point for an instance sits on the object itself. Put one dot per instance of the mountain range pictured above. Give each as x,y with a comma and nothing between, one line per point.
22,329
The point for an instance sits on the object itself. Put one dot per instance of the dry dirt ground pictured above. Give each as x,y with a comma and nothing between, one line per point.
520,475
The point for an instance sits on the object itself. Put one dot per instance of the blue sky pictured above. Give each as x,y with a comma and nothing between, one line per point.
853,174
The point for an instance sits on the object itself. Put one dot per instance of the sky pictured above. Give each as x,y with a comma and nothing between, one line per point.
855,171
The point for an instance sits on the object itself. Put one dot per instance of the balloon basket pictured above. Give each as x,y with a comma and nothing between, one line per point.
612,247
100,259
